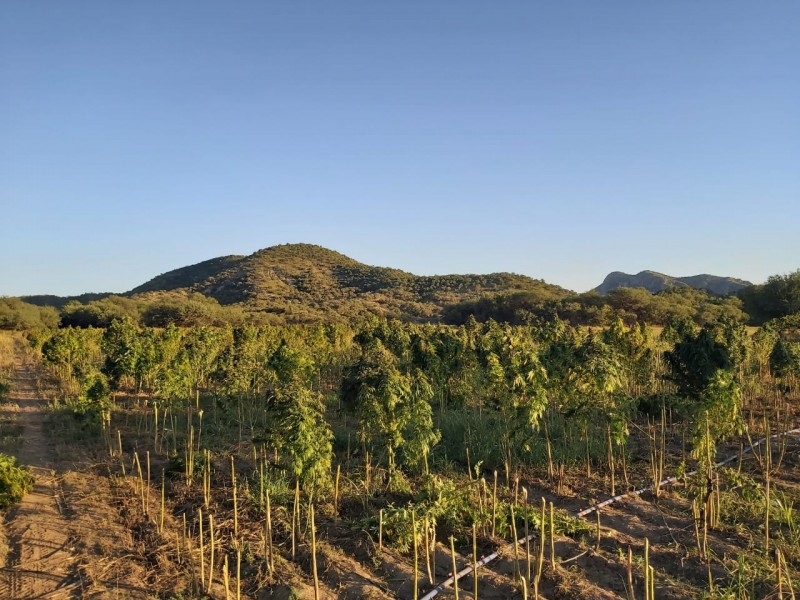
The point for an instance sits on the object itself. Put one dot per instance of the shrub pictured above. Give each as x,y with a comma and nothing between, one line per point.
15,481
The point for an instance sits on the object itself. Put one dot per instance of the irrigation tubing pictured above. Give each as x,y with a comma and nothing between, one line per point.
587,511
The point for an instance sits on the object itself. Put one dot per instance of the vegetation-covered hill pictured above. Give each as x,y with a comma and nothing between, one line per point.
302,283
658,282
308,282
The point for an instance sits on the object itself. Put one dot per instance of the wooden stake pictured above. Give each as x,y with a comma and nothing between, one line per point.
226,579
631,591
455,569
202,548
552,537
336,492
314,551
475,561
147,498
211,558
516,543
416,554
494,505
527,536
380,530
647,569
427,542
268,537
597,544
161,520
235,507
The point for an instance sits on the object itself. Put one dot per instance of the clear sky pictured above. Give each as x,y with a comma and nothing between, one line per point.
561,140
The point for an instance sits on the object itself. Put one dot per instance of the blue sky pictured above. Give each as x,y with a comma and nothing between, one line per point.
562,140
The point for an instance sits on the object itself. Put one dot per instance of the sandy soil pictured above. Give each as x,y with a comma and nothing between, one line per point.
62,539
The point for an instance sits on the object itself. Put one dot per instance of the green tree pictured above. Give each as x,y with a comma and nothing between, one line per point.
99,313
393,407
784,362
420,436
298,424
516,381
778,297
302,433
381,394
74,355
120,345
241,366
18,315
703,366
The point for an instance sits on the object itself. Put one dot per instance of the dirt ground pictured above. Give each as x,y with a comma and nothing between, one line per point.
63,540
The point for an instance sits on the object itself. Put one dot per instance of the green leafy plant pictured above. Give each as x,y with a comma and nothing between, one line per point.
15,481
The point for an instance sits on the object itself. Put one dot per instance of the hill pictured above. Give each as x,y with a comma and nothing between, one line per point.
303,282
658,282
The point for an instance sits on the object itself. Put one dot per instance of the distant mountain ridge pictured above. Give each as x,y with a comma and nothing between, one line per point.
308,283
305,281
655,282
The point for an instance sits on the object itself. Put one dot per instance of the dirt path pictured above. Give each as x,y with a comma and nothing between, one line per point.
62,539
40,561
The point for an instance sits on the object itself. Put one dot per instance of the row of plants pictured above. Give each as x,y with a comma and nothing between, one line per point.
390,419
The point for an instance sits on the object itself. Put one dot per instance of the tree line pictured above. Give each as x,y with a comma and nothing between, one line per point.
778,297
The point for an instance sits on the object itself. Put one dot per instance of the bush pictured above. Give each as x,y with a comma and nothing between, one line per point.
15,481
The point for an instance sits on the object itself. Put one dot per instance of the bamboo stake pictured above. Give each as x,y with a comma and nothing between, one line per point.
147,498
631,591
380,530
314,551
235,507
268,535
767,469
202,547
516,543
483,501
294,528
336,492
427,542
455,569
475,561
647,569
141,480
184,529
494,505
192,565
540,561
527,536
211,558
597,544
226,578
611,462
416,556
207,491
552,538
161,520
